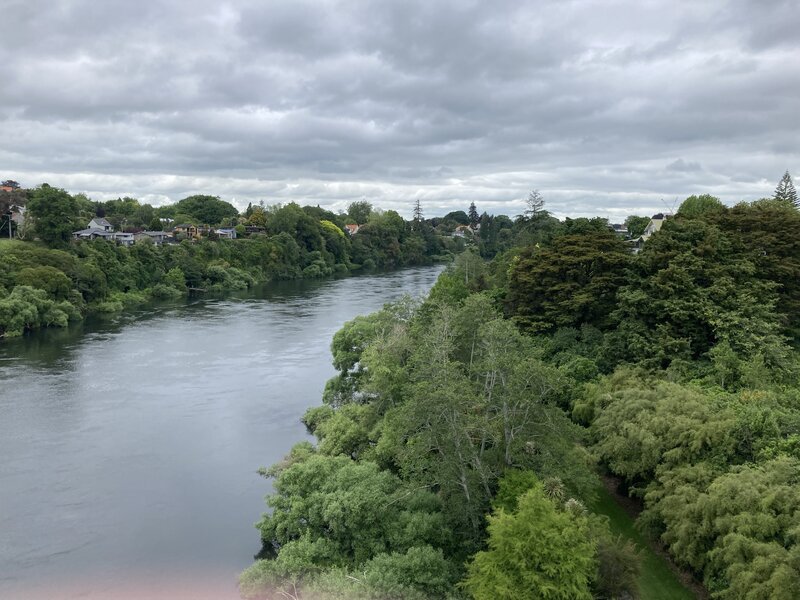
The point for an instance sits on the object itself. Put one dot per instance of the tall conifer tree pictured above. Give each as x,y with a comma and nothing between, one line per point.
474,218
785,191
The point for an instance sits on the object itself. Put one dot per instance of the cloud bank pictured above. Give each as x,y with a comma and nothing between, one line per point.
608,108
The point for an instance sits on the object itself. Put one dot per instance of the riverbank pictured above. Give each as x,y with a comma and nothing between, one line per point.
44,287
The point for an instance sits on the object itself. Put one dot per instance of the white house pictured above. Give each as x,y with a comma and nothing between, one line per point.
100,223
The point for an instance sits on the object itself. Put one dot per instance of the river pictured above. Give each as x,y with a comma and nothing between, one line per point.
130,444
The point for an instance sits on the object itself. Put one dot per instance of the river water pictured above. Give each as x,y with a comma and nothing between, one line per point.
129,446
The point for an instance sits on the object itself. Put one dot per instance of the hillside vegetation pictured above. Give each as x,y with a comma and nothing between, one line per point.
47,278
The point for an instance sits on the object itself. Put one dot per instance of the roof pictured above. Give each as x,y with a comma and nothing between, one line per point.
101,221
93,231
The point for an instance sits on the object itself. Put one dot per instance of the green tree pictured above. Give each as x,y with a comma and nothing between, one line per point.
535,552
257,217
636,225
457,216
738,528
698,207
359,211
358,510
785,191
767,233
571,282
209,210
474,219
53,211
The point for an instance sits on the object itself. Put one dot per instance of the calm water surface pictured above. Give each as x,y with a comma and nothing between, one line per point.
129,447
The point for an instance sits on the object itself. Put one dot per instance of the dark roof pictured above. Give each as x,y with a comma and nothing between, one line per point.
93,231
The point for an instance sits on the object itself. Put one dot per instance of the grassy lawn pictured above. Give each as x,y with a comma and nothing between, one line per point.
657,582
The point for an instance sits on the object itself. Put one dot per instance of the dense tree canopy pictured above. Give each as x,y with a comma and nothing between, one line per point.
571,281
208,210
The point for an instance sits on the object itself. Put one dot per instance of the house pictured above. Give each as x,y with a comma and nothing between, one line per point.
351,228
226,233
124,239
190,231
92,233
462,231
655,224
100,223
254,229
159,238
620,229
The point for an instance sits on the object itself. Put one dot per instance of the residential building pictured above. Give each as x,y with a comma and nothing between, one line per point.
226,233
159,238
100,223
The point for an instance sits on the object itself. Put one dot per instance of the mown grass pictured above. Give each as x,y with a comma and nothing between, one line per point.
657,581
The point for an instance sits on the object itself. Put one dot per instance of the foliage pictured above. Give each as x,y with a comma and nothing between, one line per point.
358,509
702,206
571,281
537,551
474,218
51,209
209,210
636,225
359,212
785,192
688,290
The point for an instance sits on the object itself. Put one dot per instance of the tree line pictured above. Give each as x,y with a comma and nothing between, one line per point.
49,279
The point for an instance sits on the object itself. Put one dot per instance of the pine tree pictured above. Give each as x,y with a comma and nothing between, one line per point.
417,211
535,204
785,191
474,218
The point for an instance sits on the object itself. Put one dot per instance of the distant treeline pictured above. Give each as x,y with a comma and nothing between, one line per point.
47,278
458,446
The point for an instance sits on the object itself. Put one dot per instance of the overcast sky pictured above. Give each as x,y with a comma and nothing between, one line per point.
606,107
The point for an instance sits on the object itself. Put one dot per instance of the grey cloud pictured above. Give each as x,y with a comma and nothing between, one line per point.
451,102
683,166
